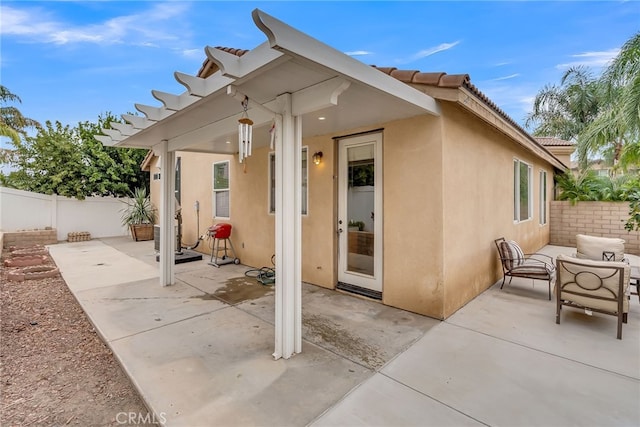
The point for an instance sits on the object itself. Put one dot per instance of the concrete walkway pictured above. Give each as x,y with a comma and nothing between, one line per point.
199,352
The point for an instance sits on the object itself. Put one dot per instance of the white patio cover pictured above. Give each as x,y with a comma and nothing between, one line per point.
290,80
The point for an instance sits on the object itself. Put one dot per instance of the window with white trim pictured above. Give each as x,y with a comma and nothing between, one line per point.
522,200
221,189
272,181
543,197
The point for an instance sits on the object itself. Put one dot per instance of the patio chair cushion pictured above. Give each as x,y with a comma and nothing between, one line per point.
512,254
532,267
593,279
592,247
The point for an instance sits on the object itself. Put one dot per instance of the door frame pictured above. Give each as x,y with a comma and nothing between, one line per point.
352,281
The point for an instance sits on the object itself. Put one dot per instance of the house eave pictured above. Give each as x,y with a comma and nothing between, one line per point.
469,101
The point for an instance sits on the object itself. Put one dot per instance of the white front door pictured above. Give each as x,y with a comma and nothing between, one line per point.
360,214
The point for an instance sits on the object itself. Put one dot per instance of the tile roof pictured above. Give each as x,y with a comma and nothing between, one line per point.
452,81
549,141
437,79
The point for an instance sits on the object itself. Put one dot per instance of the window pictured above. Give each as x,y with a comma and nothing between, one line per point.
522,202
272,181
221,189
543,197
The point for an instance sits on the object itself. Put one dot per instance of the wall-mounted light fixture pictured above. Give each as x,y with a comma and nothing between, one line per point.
317,157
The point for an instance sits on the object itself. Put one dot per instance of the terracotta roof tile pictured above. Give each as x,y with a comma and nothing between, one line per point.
549,141
386,70
404,75
428,78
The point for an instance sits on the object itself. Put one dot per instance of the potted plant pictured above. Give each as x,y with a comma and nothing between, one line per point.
139,214
356,225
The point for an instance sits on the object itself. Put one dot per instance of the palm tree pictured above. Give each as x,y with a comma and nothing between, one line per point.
601,115
620,122
624,72
564,111
12,123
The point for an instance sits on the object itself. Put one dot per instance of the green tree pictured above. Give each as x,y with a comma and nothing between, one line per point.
110,171
69,161
49,162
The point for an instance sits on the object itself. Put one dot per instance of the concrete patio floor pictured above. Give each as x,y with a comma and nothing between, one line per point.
199,352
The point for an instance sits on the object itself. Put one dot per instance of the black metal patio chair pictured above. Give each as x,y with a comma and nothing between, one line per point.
515,263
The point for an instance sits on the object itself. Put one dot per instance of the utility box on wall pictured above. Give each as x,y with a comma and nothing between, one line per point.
156,238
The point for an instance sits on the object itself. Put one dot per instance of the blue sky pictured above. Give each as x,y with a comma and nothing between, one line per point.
71,61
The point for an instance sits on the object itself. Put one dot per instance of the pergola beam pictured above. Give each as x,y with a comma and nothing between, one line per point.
297,44
174,102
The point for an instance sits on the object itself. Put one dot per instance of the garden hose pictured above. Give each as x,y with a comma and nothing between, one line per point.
264,275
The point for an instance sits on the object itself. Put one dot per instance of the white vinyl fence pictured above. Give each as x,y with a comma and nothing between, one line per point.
23,210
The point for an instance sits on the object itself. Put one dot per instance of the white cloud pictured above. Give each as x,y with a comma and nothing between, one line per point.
193,53
511,76
428,52
358,53
591,59
515,100
146,28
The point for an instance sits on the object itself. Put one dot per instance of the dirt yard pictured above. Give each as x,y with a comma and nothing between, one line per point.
54,368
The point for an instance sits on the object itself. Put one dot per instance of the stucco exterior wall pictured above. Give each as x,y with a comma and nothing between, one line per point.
196,184
448,194
478,204
254,227
413,216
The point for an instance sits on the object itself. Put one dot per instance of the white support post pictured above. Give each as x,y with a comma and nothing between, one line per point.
167,215
288,333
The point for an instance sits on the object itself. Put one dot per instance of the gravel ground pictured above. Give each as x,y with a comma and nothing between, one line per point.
54,368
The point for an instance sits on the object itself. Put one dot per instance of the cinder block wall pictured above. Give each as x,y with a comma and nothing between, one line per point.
604,219
29,238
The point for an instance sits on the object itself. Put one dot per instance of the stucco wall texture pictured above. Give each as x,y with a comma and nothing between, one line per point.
447,194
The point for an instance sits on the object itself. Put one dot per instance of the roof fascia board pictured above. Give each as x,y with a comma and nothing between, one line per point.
297,44
439,93
470,102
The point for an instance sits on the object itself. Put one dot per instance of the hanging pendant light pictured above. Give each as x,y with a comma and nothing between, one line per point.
245,132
